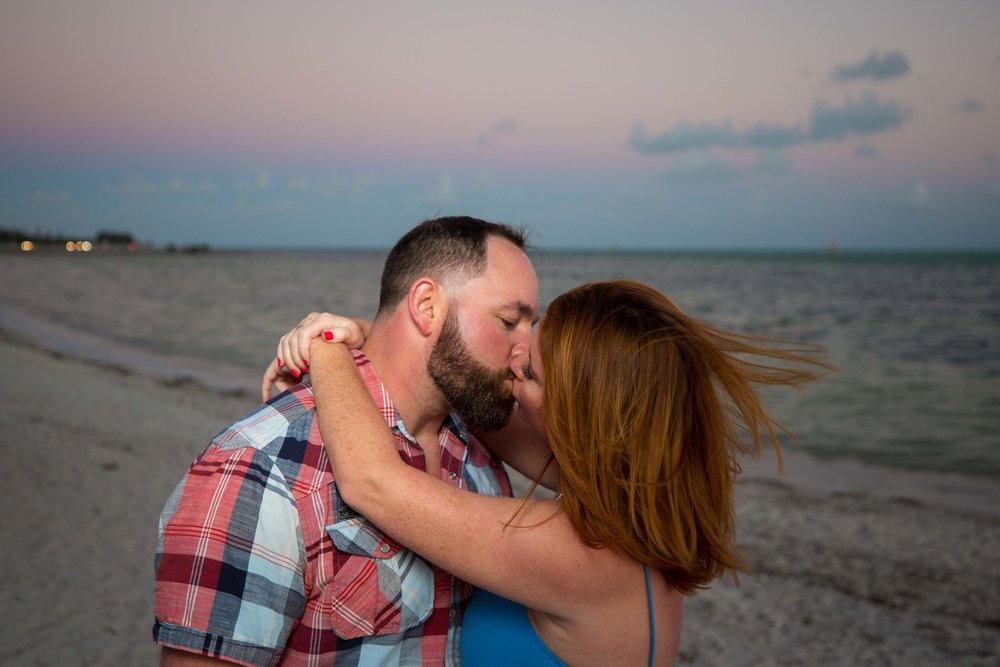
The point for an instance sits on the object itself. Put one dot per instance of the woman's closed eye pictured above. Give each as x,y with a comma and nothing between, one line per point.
527,372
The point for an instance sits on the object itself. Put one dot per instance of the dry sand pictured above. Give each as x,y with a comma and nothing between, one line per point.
852,565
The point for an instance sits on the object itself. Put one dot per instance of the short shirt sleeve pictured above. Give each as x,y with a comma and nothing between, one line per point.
230,560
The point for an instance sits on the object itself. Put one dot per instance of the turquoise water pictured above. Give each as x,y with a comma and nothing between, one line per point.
916,337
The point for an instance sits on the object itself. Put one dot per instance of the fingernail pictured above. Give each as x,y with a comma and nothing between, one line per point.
327,335
295,372
305,361
280,362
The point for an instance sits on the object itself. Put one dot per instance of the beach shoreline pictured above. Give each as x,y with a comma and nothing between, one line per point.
851,564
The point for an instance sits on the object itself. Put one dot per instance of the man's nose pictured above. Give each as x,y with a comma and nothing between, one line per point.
518,359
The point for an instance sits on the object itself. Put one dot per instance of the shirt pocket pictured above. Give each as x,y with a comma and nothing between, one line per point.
379,588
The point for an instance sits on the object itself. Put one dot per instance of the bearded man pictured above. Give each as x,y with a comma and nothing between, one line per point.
259,562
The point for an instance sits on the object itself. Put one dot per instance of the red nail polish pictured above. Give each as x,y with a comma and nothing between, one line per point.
305,361
280,362
295,372
327,335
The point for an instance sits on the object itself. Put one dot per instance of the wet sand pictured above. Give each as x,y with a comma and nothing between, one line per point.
852,565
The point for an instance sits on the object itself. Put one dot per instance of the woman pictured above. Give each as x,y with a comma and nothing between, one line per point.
646,411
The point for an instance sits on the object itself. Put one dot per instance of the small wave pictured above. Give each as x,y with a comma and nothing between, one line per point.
169,369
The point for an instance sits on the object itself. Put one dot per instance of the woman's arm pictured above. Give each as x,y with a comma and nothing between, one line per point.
538,561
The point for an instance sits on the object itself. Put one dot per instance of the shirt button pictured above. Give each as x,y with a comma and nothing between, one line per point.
453,475
385,548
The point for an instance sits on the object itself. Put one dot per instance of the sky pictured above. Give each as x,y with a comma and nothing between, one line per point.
774,124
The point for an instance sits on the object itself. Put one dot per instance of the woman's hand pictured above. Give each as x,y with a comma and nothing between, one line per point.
291,361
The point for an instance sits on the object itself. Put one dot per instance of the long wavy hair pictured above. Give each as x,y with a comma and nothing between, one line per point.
647,411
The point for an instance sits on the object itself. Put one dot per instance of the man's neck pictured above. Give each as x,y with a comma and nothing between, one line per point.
403,372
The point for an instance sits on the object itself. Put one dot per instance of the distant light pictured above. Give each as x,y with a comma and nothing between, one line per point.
27,246
79,245
133,246
70,246
86,246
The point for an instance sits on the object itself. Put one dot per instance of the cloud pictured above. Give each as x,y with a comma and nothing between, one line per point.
918,197
774,162
57,197
506,126
685,136
971,105
828,123
333,186
772,136
443,192
503,127
865,151
261,180
320,186
890,66
701,168
869,116
136,185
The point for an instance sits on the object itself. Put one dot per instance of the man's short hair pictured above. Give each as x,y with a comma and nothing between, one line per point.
450,250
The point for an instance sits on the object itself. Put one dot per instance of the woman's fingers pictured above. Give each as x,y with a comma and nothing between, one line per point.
292,354
275,377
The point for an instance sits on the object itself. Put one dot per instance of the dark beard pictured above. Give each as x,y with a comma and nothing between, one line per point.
480,396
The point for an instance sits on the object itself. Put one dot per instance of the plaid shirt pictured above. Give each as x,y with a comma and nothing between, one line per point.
260,562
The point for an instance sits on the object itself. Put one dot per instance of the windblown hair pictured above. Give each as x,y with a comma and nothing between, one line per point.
450,250
647,411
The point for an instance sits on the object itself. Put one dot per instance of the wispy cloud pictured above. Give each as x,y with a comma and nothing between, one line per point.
503,127
683,137
321,186
892,65
443,191
137,185
918,197
701,167
866,151
57,197
971,105
261,180
774,162
332,185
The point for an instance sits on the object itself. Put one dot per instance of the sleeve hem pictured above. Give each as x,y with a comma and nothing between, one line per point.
214,646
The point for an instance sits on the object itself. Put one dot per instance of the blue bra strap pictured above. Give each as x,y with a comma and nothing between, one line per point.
652,620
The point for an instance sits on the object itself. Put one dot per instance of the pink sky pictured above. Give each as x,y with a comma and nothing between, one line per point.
456,87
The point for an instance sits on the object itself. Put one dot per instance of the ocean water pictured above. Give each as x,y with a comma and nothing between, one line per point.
915,337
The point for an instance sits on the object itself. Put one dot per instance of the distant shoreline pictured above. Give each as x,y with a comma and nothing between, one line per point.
777,252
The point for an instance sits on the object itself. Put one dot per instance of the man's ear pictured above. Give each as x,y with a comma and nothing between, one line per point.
426,303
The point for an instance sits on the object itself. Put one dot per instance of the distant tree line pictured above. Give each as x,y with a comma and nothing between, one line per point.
123,238
104,237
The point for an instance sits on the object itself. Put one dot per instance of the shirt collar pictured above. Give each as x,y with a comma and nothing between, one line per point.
453,423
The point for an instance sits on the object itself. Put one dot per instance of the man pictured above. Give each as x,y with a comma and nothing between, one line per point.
259,562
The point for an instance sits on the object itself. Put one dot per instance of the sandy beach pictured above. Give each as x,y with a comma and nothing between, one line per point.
852,565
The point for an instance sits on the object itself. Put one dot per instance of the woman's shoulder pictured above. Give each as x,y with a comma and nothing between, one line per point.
615,627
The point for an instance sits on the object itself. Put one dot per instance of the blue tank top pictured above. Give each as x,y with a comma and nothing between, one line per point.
497,632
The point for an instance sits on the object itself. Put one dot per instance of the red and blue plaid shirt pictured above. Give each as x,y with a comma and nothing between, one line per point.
260,562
